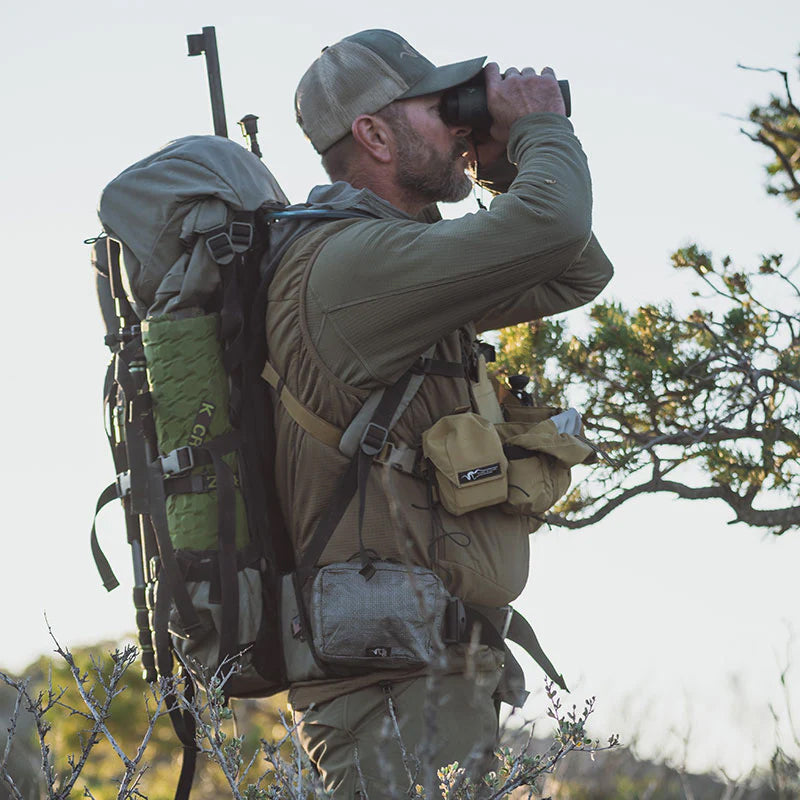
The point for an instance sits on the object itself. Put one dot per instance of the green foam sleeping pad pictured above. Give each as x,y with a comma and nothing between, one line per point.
190,396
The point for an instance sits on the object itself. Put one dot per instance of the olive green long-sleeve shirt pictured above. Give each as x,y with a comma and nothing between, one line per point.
379,295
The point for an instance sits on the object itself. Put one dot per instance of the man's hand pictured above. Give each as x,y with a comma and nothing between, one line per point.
515,94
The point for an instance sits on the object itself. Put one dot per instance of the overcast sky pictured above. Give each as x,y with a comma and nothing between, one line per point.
679,623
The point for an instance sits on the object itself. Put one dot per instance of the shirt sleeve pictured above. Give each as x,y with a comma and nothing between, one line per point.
581,282
382,291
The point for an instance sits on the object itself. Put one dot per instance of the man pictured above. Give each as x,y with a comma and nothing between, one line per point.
353,306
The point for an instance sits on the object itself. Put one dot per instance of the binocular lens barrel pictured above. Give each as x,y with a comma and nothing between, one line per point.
466,104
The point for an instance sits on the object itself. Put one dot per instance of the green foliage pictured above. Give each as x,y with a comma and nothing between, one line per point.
133,706
91,736
777,126
705,404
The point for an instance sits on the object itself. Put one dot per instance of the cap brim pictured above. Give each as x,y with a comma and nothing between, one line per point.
445,77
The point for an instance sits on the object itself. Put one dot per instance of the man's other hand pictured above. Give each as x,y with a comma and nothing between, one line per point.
514,94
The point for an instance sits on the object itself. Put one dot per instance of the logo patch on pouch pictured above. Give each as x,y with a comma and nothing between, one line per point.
378,652
479,473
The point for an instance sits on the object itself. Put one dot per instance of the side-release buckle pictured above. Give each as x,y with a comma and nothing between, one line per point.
179,460
455,621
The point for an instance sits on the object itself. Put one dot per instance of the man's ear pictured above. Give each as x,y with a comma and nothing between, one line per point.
374,136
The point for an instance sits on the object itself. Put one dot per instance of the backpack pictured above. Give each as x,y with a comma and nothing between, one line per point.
183,267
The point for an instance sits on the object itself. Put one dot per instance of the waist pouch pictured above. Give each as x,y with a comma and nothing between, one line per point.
521,466
386,622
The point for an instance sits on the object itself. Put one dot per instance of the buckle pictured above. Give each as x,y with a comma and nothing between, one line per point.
179,460
241,236
455,622
220,247
123,484
373,439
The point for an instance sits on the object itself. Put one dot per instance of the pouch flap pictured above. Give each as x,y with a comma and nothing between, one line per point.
543,437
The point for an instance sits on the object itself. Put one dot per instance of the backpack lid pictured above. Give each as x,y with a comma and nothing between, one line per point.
158,207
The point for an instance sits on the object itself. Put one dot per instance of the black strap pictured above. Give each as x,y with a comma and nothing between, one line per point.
170,572
515,452
182,721
355,479
342,495
373,441
189,753
521,632
101,562
226,539
492,622
437,366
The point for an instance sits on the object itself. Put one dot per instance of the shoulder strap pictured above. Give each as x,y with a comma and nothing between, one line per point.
352,436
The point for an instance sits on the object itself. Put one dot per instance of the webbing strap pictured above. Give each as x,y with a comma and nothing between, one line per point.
170,572
101,562
342,495
373,440
521,632
226,538
182,721
498,624
351,439
436,366
319,428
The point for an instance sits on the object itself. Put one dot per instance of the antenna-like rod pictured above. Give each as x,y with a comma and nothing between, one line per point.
206,42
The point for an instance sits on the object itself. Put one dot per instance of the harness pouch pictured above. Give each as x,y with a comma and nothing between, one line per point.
539,461
386,622
470,466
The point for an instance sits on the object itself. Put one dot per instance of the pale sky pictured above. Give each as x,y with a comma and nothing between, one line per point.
677,622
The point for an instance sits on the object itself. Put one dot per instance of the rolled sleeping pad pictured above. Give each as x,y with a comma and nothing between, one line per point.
190,395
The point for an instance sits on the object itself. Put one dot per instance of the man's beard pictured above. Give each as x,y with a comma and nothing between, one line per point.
428,174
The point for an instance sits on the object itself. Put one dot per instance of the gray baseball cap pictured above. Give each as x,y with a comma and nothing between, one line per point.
362,74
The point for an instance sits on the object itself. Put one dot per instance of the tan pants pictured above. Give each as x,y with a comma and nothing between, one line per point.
360,751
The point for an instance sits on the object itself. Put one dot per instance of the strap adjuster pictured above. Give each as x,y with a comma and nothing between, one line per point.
241,236
455,622
373,439
179,460
220,247
123,484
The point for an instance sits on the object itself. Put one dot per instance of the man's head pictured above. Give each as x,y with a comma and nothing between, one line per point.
372,100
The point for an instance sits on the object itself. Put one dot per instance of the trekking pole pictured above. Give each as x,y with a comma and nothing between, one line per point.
249,126
206,42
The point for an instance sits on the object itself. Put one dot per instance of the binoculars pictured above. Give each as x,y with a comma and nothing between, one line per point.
466,104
